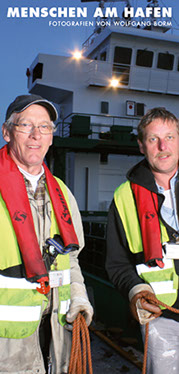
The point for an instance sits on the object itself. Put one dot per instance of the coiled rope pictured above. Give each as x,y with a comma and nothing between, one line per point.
152,299
80,357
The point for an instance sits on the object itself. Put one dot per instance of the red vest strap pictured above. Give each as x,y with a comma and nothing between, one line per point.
147,208
61,210
13,191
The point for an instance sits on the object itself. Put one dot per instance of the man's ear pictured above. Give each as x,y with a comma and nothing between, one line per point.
141,146
5,133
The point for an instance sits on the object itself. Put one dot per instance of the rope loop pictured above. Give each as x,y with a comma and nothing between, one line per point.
80,353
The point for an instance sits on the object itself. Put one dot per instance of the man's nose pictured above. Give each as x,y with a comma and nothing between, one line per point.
162,144
35,132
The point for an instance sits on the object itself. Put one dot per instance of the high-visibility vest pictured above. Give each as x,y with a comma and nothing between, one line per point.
163,281
21,305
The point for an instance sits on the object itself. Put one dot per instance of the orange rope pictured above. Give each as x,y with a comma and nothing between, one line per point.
145,348
152,299
79,353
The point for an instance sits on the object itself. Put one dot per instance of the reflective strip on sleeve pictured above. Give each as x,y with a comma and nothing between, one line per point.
19,313
21,283
161,288
64,306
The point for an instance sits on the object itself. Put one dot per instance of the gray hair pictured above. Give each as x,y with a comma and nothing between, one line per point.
8,124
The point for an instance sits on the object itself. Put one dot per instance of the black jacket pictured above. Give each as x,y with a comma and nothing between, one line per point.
120,262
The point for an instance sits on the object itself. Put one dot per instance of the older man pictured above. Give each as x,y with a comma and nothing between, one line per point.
42,288
142,218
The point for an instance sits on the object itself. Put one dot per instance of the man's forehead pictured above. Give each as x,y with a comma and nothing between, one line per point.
160,123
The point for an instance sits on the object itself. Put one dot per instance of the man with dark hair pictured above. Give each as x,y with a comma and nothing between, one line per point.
42,288
143,229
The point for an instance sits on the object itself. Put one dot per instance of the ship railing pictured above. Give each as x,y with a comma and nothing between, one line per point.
93,258
89,41
162,24
100,124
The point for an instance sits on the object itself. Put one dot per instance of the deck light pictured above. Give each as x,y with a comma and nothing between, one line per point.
114,82
77,55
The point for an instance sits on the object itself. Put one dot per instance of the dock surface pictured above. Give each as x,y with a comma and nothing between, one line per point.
106,360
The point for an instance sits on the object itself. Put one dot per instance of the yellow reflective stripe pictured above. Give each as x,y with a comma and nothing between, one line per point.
126,206
124,201
21,283
164,235
161,288
19,313
9,247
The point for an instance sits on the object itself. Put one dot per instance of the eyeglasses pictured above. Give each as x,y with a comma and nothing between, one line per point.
27,128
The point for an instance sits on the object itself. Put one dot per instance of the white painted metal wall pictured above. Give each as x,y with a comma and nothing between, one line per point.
103,179
111,175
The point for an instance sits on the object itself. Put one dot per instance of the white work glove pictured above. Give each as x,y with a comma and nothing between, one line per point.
79,303
142,308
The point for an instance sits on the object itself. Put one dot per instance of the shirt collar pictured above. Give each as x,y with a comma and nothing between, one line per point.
172,183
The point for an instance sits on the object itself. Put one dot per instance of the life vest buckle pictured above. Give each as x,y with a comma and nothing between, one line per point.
43,289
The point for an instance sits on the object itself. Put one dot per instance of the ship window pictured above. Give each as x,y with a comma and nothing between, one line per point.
165,61
37,72
178,65
121,65
104,107
144,58
122,55
139,109
103,56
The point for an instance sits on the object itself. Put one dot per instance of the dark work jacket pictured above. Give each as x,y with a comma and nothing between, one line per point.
120,262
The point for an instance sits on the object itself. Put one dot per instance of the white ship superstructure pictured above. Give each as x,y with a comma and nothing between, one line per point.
101,97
